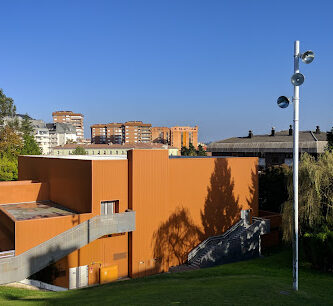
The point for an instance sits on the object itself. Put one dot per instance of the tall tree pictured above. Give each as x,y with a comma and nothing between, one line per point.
30,146
315,205
7,107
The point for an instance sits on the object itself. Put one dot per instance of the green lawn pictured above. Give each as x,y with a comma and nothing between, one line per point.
263,281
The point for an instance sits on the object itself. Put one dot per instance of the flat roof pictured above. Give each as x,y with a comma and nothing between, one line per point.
83,157
35,210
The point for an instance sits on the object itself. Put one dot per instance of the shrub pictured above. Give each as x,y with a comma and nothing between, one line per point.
318,249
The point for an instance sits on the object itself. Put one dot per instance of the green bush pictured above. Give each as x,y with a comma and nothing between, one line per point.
318,249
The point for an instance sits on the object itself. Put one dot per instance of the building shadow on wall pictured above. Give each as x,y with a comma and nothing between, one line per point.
177,236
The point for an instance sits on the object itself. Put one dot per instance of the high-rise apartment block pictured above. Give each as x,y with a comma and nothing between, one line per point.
182,136
161,134
117,133
75,119
176,136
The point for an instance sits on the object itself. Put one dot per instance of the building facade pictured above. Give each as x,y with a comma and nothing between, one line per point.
118,133
61,134
101,219
112,149
182,136
42,135
75,119
161,135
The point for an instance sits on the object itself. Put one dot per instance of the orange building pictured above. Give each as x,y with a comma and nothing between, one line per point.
99,219
117,133
182,136
107,133
161,135
75,119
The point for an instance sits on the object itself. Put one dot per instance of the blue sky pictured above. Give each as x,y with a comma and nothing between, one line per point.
217,64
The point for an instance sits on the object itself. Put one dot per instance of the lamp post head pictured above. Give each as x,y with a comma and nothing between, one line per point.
283,102
307,57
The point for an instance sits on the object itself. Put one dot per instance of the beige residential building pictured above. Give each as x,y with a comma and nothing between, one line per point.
75,119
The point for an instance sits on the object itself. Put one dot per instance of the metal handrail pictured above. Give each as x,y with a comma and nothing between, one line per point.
223,236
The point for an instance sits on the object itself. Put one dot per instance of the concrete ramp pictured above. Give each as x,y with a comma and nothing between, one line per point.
17,268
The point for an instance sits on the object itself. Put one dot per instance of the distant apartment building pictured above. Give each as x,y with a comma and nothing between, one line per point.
118,133
112,149
182,136
75,119
49,135
161,134
42,135
61,133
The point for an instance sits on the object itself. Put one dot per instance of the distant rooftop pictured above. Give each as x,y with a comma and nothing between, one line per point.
310,141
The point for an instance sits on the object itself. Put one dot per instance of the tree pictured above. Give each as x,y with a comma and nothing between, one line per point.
191,151
10,146
315,205
26,127
201,151
7,107
30,146
8,169
10,142
15,138
273,190
79,151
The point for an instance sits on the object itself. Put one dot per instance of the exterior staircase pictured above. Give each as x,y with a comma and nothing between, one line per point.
240,242
16,268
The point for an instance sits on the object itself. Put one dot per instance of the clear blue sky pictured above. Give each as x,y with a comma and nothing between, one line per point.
217,64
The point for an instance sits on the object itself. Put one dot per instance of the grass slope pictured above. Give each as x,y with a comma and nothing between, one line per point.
265,281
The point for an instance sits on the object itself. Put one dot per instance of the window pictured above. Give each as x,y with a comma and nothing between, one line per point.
109,207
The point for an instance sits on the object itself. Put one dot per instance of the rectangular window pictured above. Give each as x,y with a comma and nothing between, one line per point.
109,207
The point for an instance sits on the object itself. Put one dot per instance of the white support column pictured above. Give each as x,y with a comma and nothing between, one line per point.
295,167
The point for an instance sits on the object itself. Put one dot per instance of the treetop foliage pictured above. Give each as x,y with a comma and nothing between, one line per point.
191,151
315,205
7,107
16,138
79,151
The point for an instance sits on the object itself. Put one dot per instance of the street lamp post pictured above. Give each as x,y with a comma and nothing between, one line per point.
297,79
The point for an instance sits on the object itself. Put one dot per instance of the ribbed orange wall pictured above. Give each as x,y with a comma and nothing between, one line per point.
30,233
22,191
109,183
69,180
179,202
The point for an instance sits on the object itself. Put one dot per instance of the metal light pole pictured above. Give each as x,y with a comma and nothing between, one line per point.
297,79
295,168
